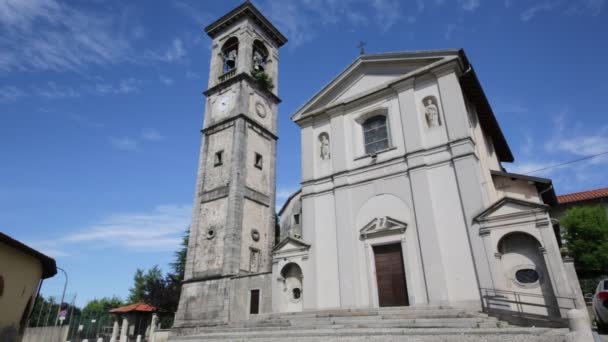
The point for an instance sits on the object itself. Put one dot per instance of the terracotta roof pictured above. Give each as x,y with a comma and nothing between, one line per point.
583,196
139,307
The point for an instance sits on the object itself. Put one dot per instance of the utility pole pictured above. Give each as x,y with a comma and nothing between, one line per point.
65,285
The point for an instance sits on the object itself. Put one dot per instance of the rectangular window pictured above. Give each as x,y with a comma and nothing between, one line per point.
254,306
258,161
296,219
254,260
218,158
375,134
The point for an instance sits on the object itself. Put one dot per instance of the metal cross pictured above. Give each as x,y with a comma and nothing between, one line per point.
361,47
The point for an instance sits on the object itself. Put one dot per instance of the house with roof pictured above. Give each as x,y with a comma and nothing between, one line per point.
22,271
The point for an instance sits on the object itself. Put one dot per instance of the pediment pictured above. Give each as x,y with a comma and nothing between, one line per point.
509,207
382,226
372,72
291,244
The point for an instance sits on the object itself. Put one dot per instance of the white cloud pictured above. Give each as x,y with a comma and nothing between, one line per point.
150,134
192,75
469,5
160,229
124,143
388,13
48,35
531,12
176,51
10,94
53,91
126,86
166,80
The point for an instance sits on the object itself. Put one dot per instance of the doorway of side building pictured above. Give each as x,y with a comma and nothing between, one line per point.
390,275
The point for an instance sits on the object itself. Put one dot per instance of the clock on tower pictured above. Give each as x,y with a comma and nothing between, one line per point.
232,232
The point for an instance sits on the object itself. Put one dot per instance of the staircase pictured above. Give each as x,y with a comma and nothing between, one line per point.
428,323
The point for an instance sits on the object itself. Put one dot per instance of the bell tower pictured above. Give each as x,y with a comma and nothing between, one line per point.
233,221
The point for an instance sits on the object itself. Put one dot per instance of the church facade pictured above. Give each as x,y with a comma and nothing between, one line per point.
403,199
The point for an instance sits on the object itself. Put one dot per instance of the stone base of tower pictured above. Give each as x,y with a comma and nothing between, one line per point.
219,301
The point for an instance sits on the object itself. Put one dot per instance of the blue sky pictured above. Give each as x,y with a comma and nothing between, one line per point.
101,107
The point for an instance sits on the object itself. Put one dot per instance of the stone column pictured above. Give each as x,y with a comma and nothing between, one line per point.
114,330
124,329
153,324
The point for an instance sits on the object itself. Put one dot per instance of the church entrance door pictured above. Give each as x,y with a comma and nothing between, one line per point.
390,275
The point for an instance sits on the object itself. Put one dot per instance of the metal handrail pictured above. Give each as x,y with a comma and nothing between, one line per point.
491,294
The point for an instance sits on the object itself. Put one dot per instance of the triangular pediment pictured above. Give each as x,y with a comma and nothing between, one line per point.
370,73
509,206
290,243
382,225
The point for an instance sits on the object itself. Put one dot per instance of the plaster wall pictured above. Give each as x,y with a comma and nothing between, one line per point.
21,274
287,223
453,245
516,188
488,159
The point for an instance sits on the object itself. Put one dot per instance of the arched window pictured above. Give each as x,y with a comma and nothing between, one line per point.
260,56
375,134
230,54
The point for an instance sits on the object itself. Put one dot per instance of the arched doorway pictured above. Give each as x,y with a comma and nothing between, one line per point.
526,272
292,287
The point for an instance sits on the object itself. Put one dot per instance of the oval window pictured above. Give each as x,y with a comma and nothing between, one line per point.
527,276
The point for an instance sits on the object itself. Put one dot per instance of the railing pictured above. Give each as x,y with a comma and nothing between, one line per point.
228,74
494,297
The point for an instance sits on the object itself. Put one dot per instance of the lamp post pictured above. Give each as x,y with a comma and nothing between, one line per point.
65,285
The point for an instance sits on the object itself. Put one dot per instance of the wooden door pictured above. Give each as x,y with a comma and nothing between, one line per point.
390,275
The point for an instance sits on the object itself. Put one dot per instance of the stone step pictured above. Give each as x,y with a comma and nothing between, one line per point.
385,334
363,311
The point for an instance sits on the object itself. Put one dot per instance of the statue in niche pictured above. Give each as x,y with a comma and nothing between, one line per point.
259,61
324,139
431,112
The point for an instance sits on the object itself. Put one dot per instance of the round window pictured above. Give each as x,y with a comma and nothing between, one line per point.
527,276
210,233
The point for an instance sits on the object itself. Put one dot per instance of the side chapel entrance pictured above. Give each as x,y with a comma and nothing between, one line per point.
390,275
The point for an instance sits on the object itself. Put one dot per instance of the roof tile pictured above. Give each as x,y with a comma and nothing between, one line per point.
583,196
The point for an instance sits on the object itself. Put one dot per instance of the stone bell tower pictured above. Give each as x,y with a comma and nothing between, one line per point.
233,223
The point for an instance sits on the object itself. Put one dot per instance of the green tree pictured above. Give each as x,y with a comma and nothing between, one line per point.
178,266
587,238
136,293
102,306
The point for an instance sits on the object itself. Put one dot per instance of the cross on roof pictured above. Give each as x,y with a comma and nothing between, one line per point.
361,47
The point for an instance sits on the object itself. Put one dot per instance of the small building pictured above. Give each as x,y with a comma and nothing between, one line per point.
137,319
580,199
22,270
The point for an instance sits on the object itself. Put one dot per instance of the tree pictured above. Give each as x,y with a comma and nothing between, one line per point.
136,293
587,238
102,306
179,265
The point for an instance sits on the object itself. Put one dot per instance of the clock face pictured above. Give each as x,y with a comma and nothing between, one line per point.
260,109
224,103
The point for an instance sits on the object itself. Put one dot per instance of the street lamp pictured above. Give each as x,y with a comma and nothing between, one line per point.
65,285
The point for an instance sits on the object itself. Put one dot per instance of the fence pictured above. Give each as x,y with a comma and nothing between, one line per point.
527,308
